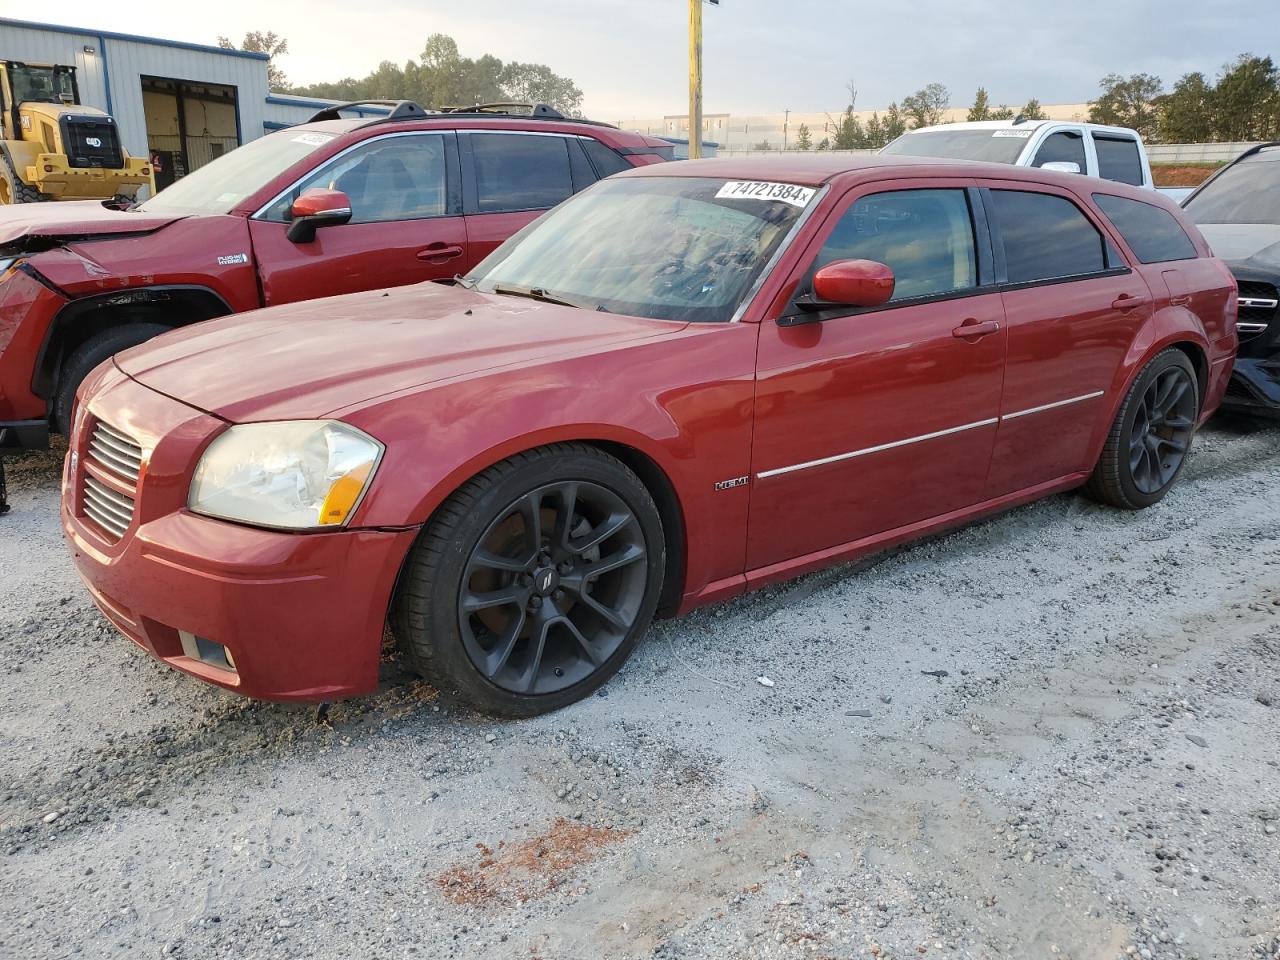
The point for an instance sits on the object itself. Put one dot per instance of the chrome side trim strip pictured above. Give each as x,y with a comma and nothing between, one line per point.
1247,327
1054,405
764,474
1260,302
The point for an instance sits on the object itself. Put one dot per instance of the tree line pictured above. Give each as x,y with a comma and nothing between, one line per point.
440,77
1242,103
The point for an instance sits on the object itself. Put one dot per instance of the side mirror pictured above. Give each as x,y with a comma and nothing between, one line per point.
852,283
318,208
1061,166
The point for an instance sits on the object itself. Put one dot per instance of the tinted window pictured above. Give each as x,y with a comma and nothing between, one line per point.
606,161
1118,159
519,171
1062,148
396,178
1152,233
1003,145
1045,237
925,237
1248,192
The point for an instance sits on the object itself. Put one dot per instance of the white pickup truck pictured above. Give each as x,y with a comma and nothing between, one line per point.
1113,153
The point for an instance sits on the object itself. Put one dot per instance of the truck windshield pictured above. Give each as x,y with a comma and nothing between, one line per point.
1002,145
220,185
41,84
1248,192
669,248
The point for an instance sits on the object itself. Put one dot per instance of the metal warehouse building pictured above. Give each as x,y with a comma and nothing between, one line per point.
182,104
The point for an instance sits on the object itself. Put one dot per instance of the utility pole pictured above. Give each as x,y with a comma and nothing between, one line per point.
786,122
695,77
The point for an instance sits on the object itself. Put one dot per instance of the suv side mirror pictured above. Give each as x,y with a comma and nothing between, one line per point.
1061,166
318,208
853,283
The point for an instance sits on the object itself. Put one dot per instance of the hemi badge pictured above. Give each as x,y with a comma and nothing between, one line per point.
735,482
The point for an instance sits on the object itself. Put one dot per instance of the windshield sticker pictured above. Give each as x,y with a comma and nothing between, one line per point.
315,139
1020,134
790,193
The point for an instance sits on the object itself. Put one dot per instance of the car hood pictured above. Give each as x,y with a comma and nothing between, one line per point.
1252,244
71,220
313,358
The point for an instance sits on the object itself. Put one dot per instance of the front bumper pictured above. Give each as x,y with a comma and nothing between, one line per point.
302,615
1254,387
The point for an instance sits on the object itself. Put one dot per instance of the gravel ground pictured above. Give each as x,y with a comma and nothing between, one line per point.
1053,734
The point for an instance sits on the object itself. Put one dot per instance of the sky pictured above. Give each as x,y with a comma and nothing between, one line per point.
760,56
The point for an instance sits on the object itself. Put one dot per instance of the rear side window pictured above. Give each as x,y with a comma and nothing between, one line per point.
1118,159
520,171
1062,147
605,160
924,236
1046,237
1153,234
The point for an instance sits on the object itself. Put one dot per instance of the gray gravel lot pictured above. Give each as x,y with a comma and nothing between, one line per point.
1072,750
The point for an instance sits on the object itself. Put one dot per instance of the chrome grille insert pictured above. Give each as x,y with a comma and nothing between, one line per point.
119,455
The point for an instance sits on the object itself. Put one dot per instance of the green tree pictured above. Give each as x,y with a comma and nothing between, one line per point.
1033,111
268,43
1186,113
442,77
849,132
824,144
762,145
804,139
875,132
925,107
1003,112
1247,99
981,109
895,124
1128,102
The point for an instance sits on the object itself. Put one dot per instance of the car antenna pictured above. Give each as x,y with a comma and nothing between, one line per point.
1019,119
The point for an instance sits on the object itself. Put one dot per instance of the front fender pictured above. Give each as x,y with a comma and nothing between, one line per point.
684,402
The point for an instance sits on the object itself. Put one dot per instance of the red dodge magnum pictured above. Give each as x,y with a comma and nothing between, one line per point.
687,381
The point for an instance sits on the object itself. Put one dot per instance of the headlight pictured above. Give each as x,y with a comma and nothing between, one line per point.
294,474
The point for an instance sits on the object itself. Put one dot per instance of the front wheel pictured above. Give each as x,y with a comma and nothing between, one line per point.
531,585
1151,437
88,355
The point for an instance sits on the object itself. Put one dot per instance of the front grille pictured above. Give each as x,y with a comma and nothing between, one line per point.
1258,304
116,456
91,141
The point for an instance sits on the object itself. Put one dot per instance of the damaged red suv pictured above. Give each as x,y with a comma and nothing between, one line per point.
332,206
688,381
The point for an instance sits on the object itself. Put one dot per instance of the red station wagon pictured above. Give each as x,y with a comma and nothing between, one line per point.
404,198
688,381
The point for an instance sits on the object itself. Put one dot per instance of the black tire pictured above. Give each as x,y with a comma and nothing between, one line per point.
1148,444
88,355
13,190
435,614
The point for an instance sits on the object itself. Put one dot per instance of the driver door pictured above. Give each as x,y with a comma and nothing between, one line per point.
873,419
406,222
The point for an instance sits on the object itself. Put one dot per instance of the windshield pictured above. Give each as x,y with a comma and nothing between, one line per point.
41,84
1248,192
221,184
670,248
1002,145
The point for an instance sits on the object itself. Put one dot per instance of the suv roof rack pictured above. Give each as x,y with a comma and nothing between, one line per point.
538,111
400,110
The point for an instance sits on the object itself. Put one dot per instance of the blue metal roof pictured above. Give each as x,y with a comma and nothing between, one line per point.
133,37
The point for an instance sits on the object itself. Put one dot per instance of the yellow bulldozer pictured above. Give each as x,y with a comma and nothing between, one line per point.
52,148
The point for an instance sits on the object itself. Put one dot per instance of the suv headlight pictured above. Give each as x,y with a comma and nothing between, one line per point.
296,475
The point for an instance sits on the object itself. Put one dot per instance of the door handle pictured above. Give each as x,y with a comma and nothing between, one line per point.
440,252
973,328
1127,302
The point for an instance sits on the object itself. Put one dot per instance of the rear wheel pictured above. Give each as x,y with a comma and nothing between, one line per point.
88,355
13,190
1151,437
531,585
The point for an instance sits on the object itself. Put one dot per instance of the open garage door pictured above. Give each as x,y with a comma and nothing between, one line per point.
188,124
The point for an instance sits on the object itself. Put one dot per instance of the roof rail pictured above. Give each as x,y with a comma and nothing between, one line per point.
538,111
400,110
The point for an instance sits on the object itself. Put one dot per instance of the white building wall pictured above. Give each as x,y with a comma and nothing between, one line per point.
110,77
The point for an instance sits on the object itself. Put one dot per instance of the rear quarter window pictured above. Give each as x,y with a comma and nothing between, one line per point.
605,160
1154,235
